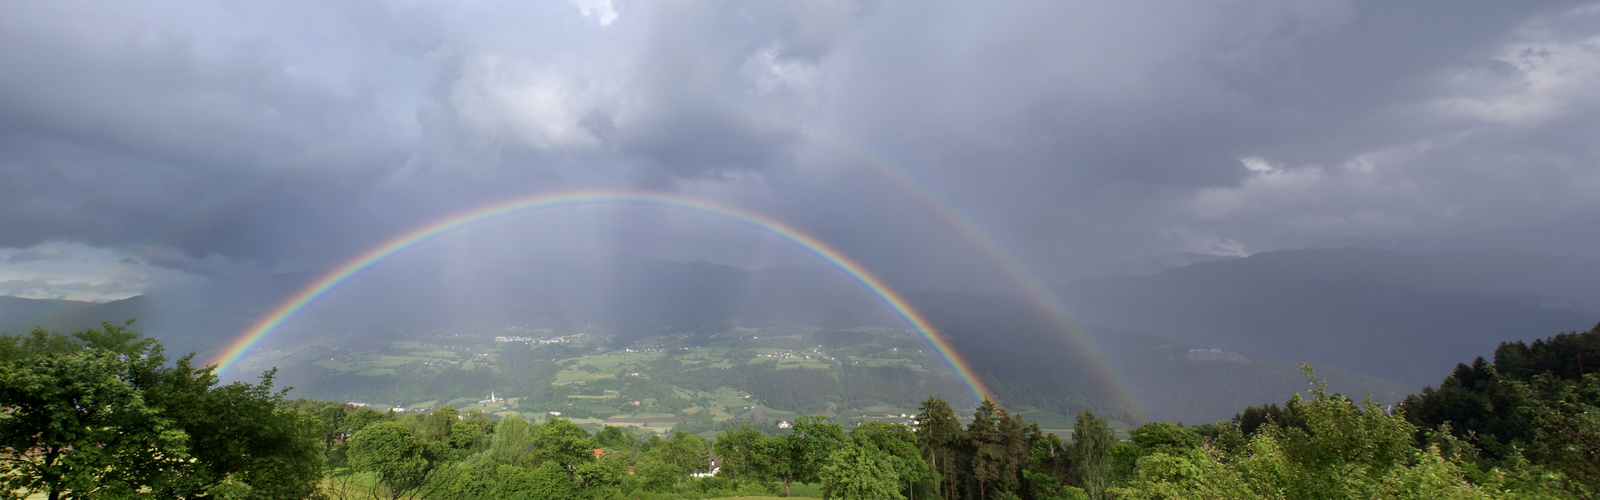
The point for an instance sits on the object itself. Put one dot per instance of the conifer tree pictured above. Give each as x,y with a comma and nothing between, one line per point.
938,435
988,445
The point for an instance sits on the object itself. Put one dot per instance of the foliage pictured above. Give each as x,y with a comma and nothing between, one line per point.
1528,418
101,413
940,441
898,445
859,472
1091,449
1346,450
391,451
737,448
779,458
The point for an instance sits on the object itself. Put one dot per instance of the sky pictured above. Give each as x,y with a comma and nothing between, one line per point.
159,142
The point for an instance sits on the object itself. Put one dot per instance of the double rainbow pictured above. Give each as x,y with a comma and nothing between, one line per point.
308,294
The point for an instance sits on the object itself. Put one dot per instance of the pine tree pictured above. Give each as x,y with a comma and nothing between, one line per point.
988,444
938,435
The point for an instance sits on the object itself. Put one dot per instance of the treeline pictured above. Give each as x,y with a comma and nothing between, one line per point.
1536,404
102,413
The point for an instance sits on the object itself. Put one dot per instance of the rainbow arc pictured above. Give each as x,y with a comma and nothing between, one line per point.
308,294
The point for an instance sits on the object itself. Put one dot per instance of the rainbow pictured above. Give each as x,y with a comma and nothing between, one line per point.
1035,291
305,296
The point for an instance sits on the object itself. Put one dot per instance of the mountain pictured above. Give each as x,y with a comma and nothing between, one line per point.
1015,347
1192,343
19,315
1026,358
1403,317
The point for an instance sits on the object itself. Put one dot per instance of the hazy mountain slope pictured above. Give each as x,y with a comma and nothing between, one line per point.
1405,317
1178,382
19,315
1027,359
1365,319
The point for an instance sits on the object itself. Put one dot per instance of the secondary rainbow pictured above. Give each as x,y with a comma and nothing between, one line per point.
308,294
1108,379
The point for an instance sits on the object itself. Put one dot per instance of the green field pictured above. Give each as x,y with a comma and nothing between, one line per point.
592,381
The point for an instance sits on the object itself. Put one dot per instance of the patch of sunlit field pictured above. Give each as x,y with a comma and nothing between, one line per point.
801,364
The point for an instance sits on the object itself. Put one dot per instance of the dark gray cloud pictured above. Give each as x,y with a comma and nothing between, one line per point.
1086,138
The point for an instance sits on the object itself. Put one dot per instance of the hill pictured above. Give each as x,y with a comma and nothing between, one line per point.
1404,317
1192,343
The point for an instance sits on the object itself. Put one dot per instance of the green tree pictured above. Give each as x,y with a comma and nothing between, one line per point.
737,448
437,424
1149,439
668,465
1091,445
76,426
101,413
1566,427
898,444
392,453
1048,469
512,443
1345,450
778,458
859,472
988,448
238,433
614,438
939,439
563,442
1019,437
548,480
816,439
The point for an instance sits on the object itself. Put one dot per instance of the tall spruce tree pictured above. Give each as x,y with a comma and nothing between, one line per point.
989,448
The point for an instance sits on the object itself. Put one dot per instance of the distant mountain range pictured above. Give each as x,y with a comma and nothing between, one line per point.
1191,343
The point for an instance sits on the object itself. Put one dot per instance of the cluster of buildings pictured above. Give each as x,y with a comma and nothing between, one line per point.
790,355
541,340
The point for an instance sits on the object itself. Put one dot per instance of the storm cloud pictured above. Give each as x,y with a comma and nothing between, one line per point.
1087,139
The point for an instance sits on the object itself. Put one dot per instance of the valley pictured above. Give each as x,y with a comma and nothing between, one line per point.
700,382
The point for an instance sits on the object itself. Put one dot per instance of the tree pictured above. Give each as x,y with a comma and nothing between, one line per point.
817,438
1149,439
859,472
1091,443
512,444
390,451
988,447
1345,450
563,442
1018,437
736,447
668,465
437,425
1566,418
614,438
238,433
75,426
898,445
778,458
101,413
1048,469
938,438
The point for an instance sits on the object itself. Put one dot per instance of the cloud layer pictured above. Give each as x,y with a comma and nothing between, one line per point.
1087,139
